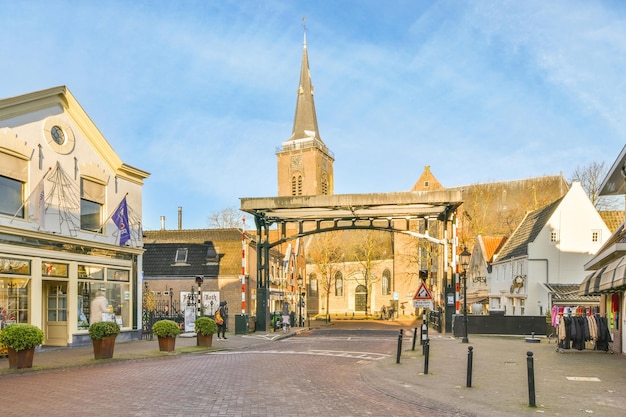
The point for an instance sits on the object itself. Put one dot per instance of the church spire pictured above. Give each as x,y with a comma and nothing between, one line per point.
305,119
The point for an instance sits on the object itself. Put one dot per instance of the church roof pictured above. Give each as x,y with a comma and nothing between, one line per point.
305,119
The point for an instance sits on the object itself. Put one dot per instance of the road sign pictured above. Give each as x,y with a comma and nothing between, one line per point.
422,293
423,298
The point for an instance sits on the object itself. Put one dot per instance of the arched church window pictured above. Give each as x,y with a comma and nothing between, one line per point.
338,284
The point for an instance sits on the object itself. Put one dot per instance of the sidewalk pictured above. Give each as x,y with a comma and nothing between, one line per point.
61,357
572,383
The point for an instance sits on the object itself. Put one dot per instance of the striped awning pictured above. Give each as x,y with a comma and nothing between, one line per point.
614,276
591,283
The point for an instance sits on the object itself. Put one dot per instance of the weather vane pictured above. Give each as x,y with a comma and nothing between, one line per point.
304,23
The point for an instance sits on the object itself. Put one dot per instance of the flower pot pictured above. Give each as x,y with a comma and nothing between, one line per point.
167,344
206,341
103,348
19,359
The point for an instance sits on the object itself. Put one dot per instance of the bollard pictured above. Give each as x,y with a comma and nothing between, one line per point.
426,354
423,332
399,347
531,379
414,338
470,359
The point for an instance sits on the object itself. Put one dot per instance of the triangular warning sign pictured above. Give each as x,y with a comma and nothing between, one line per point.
422,293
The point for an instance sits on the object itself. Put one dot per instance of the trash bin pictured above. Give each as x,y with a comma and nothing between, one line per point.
241,324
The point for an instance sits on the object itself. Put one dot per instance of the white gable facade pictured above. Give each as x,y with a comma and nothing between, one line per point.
62,237
555,244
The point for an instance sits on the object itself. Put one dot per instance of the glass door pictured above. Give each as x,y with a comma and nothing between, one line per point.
55,310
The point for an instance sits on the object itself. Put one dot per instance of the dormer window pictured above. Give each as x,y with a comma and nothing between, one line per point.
181,256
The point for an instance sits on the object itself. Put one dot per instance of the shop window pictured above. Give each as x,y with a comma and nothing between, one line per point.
11,197
53,269
116,293
14,296
92,195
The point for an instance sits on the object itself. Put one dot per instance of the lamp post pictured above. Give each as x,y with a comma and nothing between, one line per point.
465,260
300,321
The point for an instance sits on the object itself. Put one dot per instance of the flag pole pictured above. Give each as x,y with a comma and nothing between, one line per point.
31,194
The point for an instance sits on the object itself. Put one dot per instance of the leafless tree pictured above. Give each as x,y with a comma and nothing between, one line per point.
229,218
326,253
591,177
369,250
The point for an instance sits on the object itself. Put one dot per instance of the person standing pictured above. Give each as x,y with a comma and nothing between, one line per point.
99,305
223,316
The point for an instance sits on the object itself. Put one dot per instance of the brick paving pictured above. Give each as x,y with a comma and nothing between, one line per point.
325,373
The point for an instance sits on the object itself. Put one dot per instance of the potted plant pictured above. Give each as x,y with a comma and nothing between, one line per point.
166,331
103,336
20,341
205,329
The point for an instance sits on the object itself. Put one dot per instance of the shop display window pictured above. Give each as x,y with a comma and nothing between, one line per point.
117,293
14,300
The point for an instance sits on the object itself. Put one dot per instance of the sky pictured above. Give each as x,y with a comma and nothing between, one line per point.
202,93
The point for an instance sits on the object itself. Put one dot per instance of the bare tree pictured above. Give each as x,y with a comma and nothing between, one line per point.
229,218
591,177
369,250
326,253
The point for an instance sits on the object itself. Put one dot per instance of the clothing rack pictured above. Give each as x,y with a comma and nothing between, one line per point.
575,331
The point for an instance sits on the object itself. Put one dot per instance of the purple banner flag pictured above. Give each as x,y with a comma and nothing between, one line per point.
120,218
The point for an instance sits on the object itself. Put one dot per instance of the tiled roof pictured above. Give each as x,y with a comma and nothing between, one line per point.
613,219
570,294
191,235
527,231
227,242
492,245
160,260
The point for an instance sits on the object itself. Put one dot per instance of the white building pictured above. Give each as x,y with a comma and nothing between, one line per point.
550,246
60,185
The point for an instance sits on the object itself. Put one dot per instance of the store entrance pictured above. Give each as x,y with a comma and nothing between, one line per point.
55,313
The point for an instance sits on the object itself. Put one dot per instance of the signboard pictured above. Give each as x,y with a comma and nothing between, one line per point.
422,298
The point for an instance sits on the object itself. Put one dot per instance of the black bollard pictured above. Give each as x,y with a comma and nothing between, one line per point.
426,353
470,359
531,379
399,347
414,338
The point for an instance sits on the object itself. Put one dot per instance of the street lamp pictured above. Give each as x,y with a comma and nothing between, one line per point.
465,260
300,321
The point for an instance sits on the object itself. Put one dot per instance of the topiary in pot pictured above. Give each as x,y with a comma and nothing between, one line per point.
205,326
103,329
166,330
205,329
103,336
21,340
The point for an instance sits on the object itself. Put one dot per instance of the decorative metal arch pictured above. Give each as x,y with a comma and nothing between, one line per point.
301,216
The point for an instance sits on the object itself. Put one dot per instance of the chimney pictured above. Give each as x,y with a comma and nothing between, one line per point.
162,222
180,218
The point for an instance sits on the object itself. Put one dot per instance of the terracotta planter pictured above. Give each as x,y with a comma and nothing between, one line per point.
167,344
19,359
103,348
206,341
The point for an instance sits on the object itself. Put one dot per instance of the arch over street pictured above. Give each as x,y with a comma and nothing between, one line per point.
299,216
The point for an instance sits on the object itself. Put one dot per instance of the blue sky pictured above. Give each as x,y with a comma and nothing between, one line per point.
200,93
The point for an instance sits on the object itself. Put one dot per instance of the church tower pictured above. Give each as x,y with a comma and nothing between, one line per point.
305,164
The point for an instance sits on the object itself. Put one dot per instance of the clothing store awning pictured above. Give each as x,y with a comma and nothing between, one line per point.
591,283
614,276
569,294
